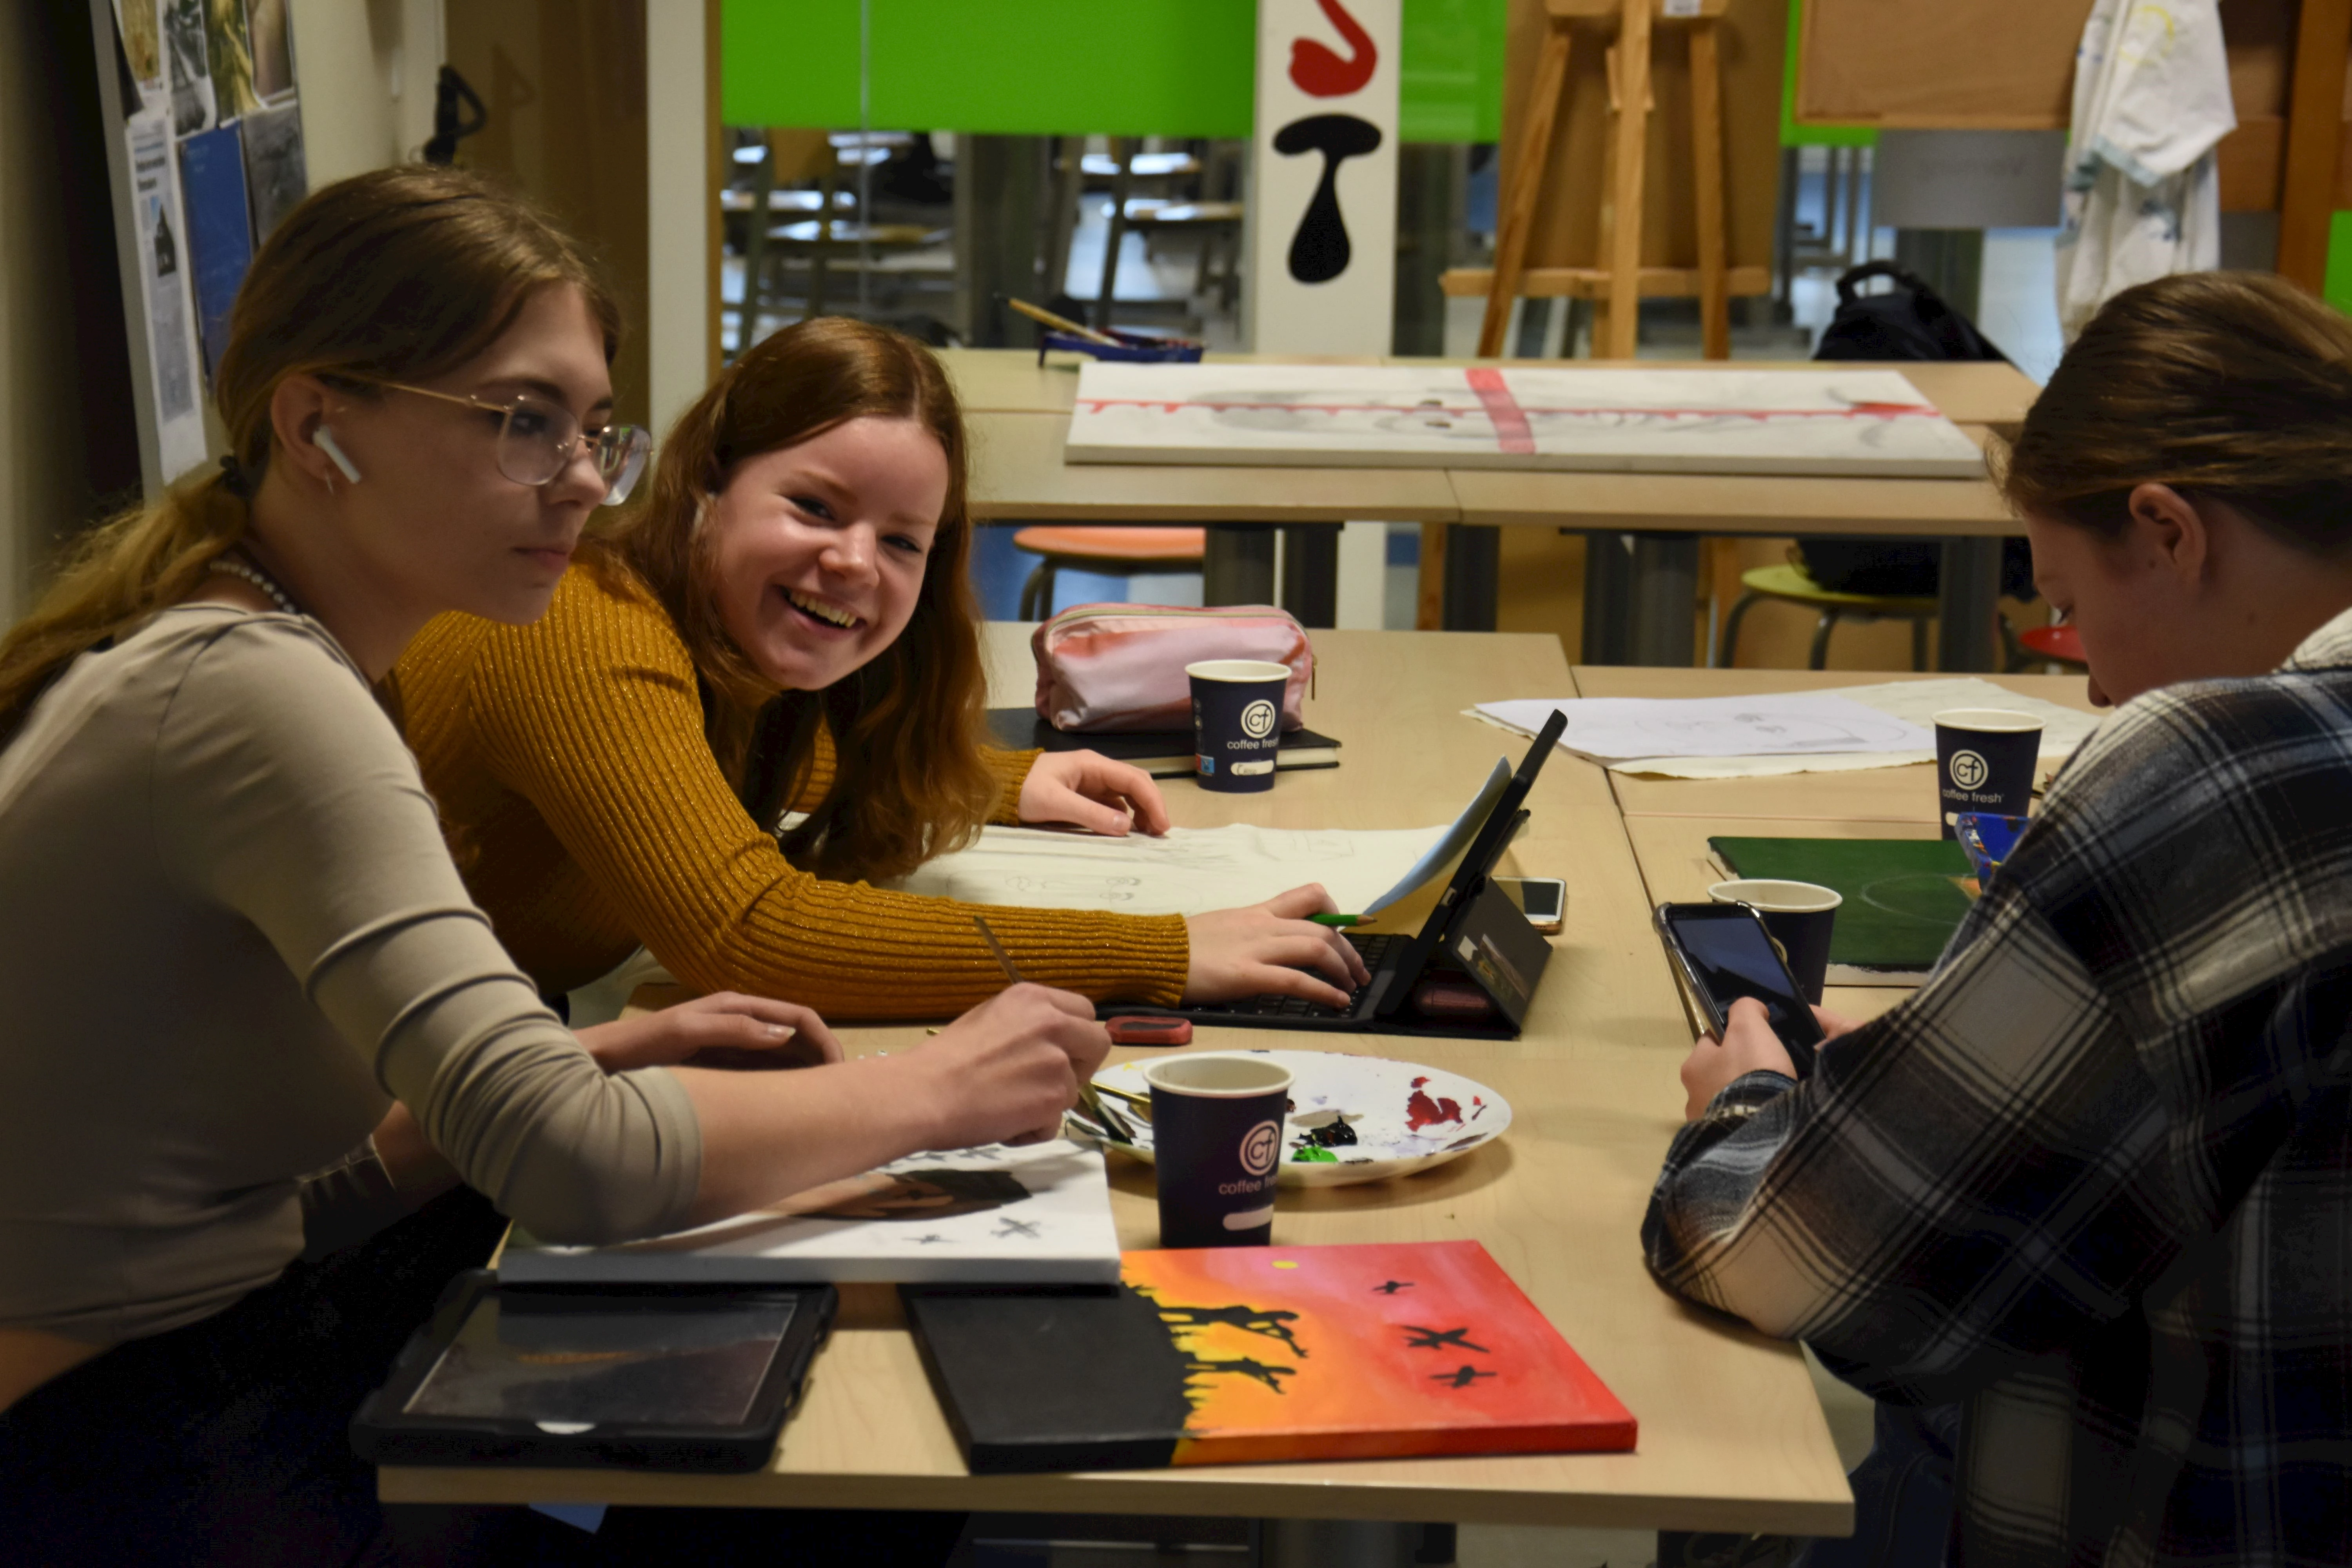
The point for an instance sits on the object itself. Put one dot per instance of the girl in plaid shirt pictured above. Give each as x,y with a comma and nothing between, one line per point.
2093,1182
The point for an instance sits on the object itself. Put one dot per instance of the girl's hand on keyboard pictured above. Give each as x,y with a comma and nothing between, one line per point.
1273,948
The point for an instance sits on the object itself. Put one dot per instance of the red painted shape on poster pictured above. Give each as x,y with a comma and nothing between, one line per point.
1320,71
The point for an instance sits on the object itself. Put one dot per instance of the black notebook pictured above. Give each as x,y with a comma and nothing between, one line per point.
1162,754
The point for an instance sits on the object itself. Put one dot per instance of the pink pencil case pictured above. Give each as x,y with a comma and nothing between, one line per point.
1112,667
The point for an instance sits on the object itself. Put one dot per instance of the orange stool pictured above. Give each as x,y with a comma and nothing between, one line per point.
2060,644
1115,552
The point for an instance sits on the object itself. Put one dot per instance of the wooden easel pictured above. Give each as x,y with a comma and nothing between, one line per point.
1620,282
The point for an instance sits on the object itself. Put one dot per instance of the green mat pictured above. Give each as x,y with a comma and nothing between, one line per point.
1902,896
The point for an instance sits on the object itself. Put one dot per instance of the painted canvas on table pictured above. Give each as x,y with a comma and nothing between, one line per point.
1039,1214
1234,1355
1826,421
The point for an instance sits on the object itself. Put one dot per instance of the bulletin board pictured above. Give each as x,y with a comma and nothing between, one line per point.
1566,231
2009,65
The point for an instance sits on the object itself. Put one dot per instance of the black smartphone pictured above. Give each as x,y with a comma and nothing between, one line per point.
1722,953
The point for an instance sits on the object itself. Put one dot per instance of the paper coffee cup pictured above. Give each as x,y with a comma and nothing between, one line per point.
1236,722
1984,761
1801,917
1217,1147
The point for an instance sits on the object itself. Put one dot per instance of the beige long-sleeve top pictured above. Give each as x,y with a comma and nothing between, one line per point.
230,933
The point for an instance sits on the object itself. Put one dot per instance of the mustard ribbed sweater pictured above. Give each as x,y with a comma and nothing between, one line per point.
588,815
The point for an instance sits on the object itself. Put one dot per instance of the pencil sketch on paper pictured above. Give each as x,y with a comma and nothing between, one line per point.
1825,421
1189,872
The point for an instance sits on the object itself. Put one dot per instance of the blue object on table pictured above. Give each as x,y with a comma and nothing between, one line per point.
1986,839
1139,348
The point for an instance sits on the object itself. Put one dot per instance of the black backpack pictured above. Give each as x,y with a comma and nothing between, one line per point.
1910,322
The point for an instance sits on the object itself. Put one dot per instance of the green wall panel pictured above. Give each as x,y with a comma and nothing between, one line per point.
2337,288
1134,68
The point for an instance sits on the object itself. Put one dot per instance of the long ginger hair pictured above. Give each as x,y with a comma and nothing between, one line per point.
910,780
399,274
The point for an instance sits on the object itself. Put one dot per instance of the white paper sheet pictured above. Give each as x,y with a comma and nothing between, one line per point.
1191,871
1913,702
1612,729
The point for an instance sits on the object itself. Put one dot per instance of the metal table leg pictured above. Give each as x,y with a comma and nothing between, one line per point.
1473,555
1237,564
1310,572
1639,590
1967,636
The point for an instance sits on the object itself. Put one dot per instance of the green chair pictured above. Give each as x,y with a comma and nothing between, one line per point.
1790,584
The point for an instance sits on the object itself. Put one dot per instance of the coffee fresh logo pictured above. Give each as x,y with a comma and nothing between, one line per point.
1258,720
1968,769
1261,1146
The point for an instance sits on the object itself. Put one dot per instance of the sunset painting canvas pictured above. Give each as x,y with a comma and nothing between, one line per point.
1236,1356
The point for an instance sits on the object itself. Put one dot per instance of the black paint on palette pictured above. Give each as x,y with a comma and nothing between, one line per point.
1035,1380
1319,250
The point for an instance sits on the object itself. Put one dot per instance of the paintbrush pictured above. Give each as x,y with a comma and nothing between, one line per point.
1046,318
1103,1115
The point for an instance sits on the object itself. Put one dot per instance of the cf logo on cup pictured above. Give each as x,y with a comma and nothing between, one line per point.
1968,769
1260,1147
1258,720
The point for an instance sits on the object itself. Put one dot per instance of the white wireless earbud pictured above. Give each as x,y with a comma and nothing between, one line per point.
334,450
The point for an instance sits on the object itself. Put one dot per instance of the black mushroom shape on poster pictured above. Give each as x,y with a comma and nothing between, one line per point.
1319,250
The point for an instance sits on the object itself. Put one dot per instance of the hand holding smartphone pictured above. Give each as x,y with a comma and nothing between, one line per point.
1722,953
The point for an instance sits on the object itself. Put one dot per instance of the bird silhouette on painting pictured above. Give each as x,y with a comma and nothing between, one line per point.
1320,71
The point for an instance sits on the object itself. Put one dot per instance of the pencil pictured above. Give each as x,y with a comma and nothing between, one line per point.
996,951
1337,919
1061,324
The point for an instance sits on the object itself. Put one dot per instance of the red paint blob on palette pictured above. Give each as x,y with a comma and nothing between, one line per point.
1422,1112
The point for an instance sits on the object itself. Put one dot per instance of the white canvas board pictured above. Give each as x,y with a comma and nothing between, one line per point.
1034,1216
1824,421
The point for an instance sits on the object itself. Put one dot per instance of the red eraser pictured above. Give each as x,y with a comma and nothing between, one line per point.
1137,1029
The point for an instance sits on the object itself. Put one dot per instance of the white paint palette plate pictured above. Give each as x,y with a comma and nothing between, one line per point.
1401,1117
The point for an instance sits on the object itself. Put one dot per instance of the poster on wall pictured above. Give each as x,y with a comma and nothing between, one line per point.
192,71
275,175
1324,176
220,230
140,24
273,48
229,51
163,256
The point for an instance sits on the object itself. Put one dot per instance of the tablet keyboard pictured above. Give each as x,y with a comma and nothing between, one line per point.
1372,947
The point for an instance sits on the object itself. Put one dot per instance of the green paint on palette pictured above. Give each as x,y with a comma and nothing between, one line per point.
1313,1157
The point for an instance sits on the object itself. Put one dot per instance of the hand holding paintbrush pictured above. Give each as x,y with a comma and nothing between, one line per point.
1103,1115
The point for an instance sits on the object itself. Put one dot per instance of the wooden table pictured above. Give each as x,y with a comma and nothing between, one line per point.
1636,597
1732,1437
1669,821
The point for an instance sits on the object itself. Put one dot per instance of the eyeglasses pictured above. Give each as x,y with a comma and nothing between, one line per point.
538,439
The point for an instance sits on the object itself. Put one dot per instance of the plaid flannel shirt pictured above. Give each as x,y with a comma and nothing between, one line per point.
2094,1178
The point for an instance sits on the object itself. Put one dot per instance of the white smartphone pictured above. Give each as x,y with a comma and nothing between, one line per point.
1543,900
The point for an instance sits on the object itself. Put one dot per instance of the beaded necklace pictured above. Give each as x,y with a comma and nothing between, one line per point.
234,566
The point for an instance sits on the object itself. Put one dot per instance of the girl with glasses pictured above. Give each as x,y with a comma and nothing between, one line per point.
254,1019
784,624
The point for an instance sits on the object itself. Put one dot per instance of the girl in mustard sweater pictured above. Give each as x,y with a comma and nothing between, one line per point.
786,624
